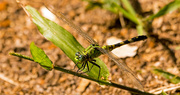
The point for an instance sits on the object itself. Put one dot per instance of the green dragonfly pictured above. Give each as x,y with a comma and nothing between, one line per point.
94,51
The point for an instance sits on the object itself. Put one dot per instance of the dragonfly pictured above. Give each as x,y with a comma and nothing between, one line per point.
94,50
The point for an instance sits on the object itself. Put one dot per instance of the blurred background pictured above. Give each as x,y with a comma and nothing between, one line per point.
154,61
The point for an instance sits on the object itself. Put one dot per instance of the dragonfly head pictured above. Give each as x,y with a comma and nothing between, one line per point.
79,57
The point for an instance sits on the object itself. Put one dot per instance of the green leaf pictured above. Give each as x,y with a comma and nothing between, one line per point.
173,78
64,40
167,9
40,57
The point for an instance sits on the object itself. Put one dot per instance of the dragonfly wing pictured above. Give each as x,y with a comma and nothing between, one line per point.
47,4
70,23
126,72
125,69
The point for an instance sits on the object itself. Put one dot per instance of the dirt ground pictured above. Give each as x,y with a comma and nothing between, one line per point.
19,76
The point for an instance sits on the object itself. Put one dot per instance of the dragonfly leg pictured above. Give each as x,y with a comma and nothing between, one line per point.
82,67
94,60
91,67
93,64
94,45
75,65
87,68
97,66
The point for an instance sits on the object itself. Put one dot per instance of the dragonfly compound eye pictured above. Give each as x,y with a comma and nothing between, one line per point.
77,53
78,57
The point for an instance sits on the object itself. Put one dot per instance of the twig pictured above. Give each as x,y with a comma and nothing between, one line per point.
89,78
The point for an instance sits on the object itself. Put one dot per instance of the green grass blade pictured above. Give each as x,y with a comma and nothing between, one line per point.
167,9
127,14
105,4
109,5
64,40
131,12
128,7
40,57
173,78
115,7
140,29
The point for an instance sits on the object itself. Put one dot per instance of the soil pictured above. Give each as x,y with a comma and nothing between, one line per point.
19,76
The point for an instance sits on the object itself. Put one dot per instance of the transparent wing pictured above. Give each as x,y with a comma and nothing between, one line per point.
70,23
126,72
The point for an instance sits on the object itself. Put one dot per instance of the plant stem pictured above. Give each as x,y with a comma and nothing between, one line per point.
21,56
103,82
136,91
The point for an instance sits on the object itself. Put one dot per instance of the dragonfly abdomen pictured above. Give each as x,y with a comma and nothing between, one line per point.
135,39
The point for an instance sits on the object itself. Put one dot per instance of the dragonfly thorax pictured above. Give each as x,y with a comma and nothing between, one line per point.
89,54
